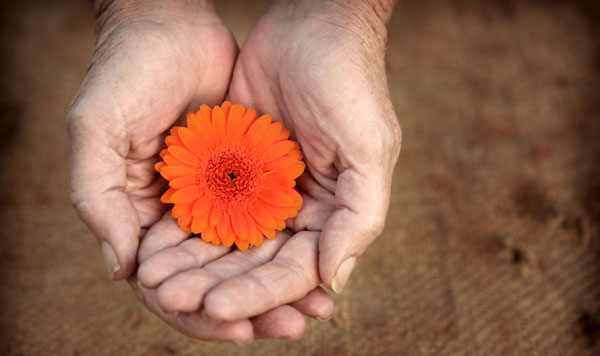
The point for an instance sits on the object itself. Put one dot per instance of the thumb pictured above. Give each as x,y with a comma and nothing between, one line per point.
361,206
97,149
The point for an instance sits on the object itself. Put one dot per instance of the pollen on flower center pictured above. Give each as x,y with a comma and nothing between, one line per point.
233,177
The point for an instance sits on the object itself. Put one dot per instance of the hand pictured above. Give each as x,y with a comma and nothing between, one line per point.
320,70
153,63
326,82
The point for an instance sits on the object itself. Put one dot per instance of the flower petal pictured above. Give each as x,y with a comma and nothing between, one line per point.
242,244
226,106
169,172
166,197
269,138
262,216
184,221
220,123
276,197
235,127
180,210
184,155
201,206
284,134
239,224
173,140
225,232
269,233
192,142
277,150
216,215
200,224
279,181
257,130
292,171
277,212
185,195
281,162
183,181
159,165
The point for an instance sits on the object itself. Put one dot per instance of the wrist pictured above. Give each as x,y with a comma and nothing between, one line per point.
363,18
111,13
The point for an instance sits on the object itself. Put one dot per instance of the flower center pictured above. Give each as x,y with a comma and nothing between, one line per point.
233,177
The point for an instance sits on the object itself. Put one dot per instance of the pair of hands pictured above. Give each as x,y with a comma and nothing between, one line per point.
317,67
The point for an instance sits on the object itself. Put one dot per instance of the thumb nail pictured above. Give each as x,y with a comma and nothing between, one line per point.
112,264
342,275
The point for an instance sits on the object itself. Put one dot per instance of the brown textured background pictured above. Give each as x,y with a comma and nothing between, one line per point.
492,243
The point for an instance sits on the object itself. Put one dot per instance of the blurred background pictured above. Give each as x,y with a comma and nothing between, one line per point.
492,243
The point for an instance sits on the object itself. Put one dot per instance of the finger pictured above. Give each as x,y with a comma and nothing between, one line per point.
191,253
163,234
192,324
185,291
317,304
98,182
362,200
312,216
288,277
283,322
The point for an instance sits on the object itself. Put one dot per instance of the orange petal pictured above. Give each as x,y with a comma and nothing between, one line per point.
253,231
185,195
283,135
262,216
280,225
180,210
242,244
278,149
166,197
296,197
234,123
239,224
163,152
270,136
205,113
258,129
275,197
192,142
184,221
275,211
225,232
220,123
216,215
292,171
183,181
248,119
204,235
211,235
201,206
159,165
184,155
296,154
200,224
226,106
173,140
169,172
279,163
280,181
269,233
170,160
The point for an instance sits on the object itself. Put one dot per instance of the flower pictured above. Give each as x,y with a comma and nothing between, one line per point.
231,175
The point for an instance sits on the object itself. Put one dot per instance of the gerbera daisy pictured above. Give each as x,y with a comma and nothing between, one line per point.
231,175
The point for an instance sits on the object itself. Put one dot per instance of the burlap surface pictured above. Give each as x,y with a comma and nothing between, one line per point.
492,241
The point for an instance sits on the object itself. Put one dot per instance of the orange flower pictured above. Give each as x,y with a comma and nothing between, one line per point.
231,175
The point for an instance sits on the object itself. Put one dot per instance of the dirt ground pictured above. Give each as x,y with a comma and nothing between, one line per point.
492,243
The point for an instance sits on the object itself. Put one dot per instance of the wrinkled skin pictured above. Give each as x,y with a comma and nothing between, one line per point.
315,75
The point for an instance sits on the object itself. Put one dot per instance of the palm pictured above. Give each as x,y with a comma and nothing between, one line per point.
314,97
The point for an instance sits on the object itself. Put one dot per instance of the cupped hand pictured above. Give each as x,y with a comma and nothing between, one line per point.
324,78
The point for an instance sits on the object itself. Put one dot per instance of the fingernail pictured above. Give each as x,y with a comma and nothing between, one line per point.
342,275
112,264
325,319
